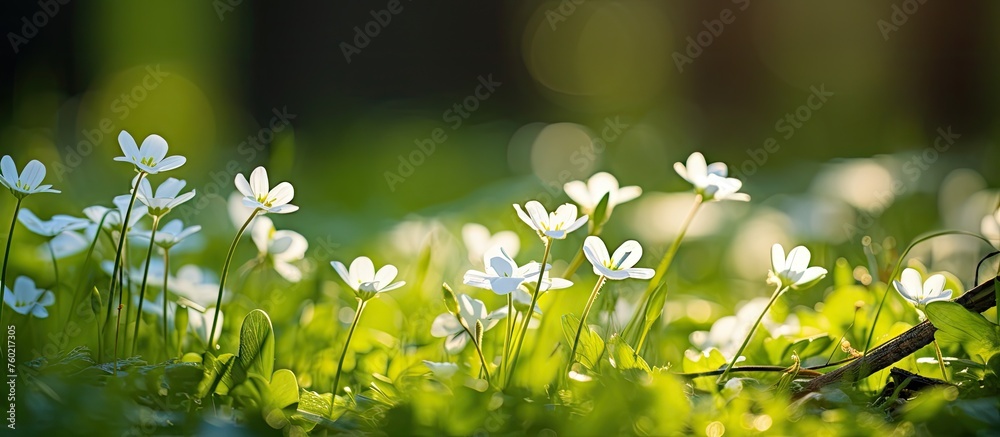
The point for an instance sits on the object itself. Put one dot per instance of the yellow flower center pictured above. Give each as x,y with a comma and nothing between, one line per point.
264,200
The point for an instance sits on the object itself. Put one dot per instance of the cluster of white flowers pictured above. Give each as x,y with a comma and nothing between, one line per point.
467,318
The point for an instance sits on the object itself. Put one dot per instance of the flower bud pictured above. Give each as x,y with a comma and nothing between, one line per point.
450,300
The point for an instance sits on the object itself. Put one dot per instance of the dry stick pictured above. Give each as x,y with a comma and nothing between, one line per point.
978,299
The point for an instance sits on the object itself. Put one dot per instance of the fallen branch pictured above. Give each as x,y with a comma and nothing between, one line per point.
978,299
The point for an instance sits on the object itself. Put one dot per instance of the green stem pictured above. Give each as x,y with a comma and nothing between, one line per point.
6,257
166,277
347,343
479,348
509,331
86,263
121,244
529,311
661,270
575,263
774,297
583,320
55,272
142,288
225,275
940,360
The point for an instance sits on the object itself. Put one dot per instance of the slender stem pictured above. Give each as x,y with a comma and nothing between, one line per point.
142,288
166,277
529,311
347,343
123,289
86,263
479,347
6,257
661,269
940,360
225,274
774,297
583,320
55,272
121,244
509,331
575,263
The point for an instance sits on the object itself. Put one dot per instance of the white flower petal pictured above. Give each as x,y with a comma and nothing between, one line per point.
154,146
627,255
362,270
128,146
259,184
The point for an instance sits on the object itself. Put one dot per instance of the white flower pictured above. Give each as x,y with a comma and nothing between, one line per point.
620,265
150,158
26,298
114,218
257,193
522,295
363,278
502,274
442,370
170,234
167,195
728,332
919,292
28,182
136,274
50,228
477,240
793,271
552,225
155,307
238,212
281,247
710,180
990,227
200,323
66,245
589,194
196,284
471,310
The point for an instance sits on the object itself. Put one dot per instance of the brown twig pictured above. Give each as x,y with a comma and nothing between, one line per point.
979,299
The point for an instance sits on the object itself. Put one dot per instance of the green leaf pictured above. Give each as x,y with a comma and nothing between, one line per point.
978,336
284,389
256,353
281,399
706,361
601,213
218,374
591,345
623,356
655,307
